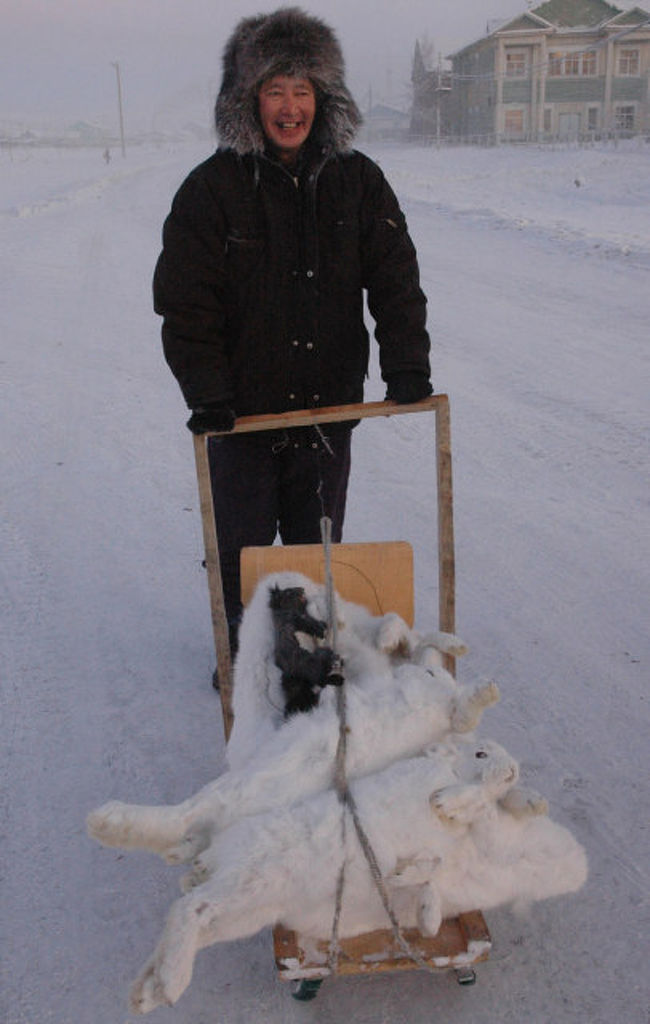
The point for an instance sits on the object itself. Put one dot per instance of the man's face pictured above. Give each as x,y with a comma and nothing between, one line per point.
287,111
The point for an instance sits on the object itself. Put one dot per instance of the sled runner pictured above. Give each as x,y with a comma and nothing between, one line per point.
379,576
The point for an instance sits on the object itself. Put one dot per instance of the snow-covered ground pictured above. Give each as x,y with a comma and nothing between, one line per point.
537,267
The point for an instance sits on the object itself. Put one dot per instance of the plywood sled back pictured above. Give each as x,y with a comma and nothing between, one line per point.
377,575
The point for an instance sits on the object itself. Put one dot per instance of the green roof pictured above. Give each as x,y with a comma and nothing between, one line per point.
568,14
633,17
524,22
574,13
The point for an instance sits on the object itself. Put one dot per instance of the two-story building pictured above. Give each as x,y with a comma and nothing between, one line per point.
567,69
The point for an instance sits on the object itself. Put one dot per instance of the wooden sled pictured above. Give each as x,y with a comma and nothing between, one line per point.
379,576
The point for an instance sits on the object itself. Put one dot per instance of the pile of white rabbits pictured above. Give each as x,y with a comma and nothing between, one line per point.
450,828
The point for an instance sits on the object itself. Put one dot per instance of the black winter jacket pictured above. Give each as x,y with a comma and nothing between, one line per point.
261,278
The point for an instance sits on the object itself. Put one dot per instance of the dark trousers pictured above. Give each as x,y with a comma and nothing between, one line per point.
263,484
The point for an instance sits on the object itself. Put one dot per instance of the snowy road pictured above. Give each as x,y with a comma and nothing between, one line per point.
539,308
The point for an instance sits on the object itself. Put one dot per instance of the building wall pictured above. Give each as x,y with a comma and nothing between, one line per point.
629,89
473,100
585,90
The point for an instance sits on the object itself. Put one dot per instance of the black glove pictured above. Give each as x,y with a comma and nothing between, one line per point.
408,386
213,416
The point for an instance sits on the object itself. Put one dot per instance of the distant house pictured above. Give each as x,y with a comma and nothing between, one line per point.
430,112
385,122
567,68
82,131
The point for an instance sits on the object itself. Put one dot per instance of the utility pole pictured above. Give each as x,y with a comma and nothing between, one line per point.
438,98
116,65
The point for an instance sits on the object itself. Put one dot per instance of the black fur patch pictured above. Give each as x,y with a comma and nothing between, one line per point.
304,673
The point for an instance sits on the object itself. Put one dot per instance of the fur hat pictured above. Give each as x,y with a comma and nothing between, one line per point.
286,42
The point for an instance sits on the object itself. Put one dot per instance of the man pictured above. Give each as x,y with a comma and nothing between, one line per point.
267,252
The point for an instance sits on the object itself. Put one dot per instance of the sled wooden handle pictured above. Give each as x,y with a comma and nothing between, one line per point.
439,404
334,414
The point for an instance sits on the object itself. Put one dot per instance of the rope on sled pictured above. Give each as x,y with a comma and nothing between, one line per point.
340,781
343,790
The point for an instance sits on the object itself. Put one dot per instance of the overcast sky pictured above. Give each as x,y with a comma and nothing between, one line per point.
56,55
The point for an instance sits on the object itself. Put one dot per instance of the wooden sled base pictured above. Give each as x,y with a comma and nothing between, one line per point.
460,943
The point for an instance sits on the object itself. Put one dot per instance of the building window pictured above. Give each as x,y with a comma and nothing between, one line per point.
572,64
555,64
548,120
628,62
516,64
592,119
589,63
514,122
624,118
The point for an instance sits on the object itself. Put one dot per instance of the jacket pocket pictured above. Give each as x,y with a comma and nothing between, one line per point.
340,253
243,256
